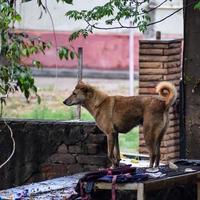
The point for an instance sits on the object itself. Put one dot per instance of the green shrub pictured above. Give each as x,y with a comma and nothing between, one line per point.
129,142
43,112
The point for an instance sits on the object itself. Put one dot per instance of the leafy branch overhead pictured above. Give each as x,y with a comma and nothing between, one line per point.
117,13
112,12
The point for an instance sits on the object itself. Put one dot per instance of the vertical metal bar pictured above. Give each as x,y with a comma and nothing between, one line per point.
79,77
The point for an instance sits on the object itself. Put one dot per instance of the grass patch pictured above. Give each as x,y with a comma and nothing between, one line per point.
129,142
43,112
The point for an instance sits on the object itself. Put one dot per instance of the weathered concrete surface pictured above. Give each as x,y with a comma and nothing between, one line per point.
49,149
58,188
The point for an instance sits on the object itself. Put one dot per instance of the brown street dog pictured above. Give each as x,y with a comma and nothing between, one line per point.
119,114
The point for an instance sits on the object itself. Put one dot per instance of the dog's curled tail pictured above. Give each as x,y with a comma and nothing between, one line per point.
168,91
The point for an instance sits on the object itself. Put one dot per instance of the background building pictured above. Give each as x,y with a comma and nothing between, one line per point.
103,49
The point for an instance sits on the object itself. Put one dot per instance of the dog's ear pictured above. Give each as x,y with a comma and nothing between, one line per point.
80,82
86,89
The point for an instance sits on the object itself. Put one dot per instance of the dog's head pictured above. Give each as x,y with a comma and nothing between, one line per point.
79,94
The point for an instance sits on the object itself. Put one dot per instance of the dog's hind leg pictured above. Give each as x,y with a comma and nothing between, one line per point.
157,160
158,143
152,154
150,141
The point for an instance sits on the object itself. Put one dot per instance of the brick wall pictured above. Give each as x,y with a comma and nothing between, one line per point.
160,60
48,149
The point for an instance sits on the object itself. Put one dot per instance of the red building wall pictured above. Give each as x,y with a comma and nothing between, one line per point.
109,51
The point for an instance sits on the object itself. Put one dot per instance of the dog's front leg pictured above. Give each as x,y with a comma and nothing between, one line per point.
110,144
116,149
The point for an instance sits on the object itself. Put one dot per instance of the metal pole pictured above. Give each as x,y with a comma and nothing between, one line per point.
131,61
79,77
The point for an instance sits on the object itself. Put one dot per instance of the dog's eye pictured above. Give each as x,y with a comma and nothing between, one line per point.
74,93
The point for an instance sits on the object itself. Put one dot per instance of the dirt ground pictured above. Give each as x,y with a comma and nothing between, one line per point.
112,86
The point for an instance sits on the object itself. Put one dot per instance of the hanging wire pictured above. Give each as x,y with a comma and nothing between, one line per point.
56,42
13,145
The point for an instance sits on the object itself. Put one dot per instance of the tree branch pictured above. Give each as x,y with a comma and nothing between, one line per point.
150,10
134,27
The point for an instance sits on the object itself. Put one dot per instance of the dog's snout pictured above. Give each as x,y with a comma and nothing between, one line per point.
65,102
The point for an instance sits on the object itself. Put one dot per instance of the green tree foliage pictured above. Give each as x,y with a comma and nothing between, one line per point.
197,6
113,13
15,45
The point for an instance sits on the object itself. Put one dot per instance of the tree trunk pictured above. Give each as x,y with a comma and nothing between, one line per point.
191,73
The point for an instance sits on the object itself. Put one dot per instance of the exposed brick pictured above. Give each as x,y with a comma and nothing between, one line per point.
96,139
174,70
147,91
171,156
173,117
172,136
142,142
170,77
172,51
143,150
151,77
167,58
75,168
173,129
53,170
151,51
147,58
150,84
62,149
170,130
92,160
174,64
173,123
171,143
62,158
153,71
91,130
76,149
153,46
151,65
175,45
160,58
93,149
